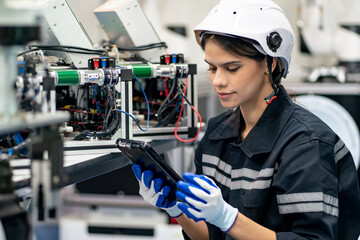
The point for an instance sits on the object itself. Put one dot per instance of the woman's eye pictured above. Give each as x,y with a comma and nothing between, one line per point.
233,69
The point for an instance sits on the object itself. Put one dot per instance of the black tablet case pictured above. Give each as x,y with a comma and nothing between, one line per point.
143,154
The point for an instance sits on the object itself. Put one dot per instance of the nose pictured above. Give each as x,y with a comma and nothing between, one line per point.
218,79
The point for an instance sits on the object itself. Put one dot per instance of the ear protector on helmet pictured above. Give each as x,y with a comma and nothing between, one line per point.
274,41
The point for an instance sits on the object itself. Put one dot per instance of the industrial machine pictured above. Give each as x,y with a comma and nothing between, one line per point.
137,77
63,102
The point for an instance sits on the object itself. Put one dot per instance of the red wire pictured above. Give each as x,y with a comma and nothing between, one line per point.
178,120
166,87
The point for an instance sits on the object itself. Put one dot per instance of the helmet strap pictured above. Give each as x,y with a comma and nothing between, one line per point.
272,95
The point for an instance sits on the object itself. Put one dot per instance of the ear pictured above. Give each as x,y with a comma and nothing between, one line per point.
273,65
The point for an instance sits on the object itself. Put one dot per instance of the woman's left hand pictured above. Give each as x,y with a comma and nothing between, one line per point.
204,201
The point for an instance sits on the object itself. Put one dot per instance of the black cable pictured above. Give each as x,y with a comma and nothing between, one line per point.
114,125
160,111
171,118
144,47
59,50
63,48
71,50
81,98
82,95
109,106
106,110
67,46
172,100
82,135
186,99
27,51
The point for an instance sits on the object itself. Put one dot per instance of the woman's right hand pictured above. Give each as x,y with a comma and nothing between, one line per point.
153,191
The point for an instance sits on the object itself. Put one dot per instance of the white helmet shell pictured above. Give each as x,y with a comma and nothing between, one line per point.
259,20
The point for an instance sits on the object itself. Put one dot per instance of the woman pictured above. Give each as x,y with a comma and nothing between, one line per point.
268,169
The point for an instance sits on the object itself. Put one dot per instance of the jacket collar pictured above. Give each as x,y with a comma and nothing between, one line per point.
229,128
263,136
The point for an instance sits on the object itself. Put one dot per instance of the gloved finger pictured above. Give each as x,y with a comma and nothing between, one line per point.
207,184
162,201
194,179
147,177
193,190
208,180
137,171
190,213
166,190
158,182
194,203
181,196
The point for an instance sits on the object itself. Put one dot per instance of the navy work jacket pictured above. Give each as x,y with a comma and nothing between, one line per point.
291,174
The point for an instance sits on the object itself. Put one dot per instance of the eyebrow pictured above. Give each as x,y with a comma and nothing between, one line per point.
224,64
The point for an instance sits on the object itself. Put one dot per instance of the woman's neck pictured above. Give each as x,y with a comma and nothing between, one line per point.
251,112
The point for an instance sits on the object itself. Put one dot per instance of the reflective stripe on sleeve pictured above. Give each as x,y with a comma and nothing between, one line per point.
307,197
340,150
338,145
309,207
308,202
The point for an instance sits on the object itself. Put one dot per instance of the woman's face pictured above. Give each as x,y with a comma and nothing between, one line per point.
236,80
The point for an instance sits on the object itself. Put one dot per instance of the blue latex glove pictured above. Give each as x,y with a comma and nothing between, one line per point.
153,191
204,201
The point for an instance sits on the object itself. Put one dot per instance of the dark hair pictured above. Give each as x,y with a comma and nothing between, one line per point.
239,47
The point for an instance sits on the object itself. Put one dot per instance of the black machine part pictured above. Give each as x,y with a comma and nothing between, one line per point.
13,218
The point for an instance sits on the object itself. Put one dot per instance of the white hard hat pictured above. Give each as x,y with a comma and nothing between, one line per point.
259,20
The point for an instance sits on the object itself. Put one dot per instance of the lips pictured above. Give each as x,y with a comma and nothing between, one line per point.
224,96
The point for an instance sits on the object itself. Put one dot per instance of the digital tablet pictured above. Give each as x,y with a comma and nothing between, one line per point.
142,153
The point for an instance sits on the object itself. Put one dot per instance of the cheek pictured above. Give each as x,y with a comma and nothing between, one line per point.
256,74
248,79
250,84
